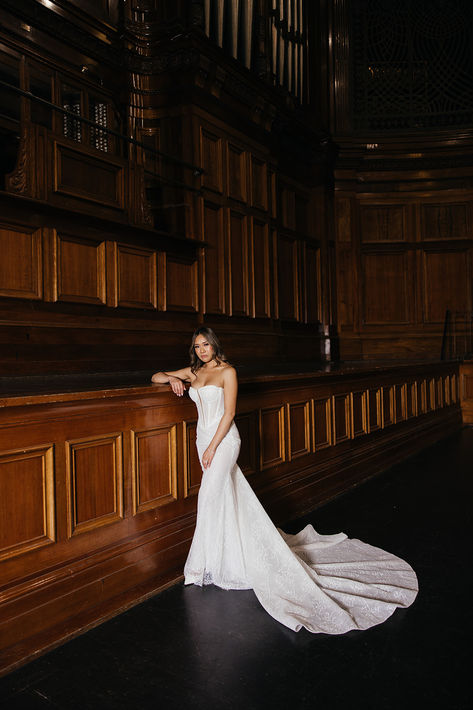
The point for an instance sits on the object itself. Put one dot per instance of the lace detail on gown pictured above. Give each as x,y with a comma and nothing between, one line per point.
325,583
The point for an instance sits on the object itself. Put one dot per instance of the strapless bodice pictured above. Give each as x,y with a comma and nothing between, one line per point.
210,404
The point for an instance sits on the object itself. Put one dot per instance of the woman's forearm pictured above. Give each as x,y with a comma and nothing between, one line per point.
160,378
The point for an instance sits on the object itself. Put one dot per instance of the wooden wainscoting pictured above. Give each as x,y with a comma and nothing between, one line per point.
466,392
98,489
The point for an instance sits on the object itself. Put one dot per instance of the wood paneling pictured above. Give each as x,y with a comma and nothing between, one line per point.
444,221
136,270
181,284
303,442
466,387
421,397
237,173
288,205
259,183
247,424
447,283
155,468
79,266
214,276
27,506
322,423
260,269
375,417
298,429
387,290
383,223
313,277
430,394
288,282
411,400
400,402
341,418
271,435
94,482
211,160
238,277
78,174
21,262
388,406
192,467
345,285
359,423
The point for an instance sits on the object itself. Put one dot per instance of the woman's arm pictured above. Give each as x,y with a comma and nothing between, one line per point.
176,379
230,390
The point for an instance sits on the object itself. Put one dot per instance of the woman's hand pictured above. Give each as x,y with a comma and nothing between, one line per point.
207,457
177,386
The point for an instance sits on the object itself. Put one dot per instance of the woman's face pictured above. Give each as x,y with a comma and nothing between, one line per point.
203,349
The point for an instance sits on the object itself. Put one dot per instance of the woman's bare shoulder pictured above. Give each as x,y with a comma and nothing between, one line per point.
229,373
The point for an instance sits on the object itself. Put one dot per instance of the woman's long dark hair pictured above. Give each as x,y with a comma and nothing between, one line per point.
211,338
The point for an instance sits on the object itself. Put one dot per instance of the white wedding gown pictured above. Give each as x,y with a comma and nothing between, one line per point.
326,583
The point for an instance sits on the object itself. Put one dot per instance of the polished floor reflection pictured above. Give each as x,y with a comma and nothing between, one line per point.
206,648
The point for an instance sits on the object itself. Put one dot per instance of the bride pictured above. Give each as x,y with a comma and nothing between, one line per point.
325,583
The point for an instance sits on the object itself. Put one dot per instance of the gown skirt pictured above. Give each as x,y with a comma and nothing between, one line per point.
325,583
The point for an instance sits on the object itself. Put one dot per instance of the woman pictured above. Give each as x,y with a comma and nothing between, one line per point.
325,583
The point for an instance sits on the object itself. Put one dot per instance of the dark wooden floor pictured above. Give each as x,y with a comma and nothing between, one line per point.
206,648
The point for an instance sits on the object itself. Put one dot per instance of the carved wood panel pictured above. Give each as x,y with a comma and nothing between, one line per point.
444,221
271,431
181,284
343,219
387,288
288,207
313,296
446,390
136,270
421,397
27,510
238,272
21,262
237,173
411,400
383,223
345,285
260,270
375,419
94,469
247,425
192,467
214,264
298,429
358,408
211,160
288,278
454,389
341,417
322,423
80,269
447,283
154,468
430,394
82,175
388,405
259,183
400,393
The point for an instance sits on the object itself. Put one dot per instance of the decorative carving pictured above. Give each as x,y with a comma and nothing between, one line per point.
19,180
